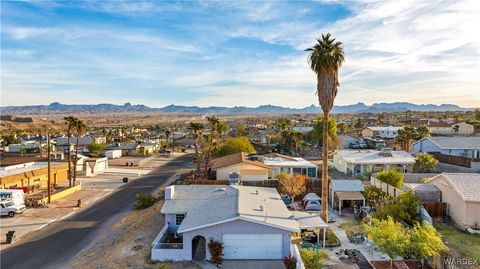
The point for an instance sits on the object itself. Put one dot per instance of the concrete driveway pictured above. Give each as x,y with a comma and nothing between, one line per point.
257,264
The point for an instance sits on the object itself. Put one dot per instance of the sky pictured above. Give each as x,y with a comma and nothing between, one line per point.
236,53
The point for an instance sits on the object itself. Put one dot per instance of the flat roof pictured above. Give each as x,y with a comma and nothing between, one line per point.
25,167
375,157
356,195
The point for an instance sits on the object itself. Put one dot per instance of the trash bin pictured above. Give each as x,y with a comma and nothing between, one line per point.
125,179
10,237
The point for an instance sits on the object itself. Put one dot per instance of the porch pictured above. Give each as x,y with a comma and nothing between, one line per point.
168,245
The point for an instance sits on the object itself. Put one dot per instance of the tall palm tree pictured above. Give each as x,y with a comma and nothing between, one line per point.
214,123
70,122
325,59
197,130
80,128
168,133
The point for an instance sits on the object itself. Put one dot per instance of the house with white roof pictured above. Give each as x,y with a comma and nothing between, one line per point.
468,147
346,192
461,192
359,162
289,165
461,128
251,222
388,132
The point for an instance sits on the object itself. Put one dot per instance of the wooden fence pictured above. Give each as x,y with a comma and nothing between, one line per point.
455,160
207,182
435,209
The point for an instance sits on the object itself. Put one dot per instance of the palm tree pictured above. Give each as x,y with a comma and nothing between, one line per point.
167,135
405,136
197,130
70,122
325,59
214,126
80,128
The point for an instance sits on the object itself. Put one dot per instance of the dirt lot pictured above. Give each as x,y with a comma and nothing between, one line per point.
127,243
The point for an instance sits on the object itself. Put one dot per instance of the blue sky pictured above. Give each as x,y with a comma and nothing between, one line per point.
223,53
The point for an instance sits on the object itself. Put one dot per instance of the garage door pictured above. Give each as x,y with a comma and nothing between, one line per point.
252,246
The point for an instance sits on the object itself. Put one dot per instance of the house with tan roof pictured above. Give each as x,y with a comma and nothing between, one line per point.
289,165
239,163
461,192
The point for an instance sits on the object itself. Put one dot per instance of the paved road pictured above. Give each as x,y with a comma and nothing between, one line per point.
54,245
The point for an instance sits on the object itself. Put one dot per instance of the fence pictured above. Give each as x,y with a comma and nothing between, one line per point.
388,189
207,182
296,253
455,160
435,209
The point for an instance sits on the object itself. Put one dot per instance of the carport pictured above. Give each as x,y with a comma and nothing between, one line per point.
307,220
346,190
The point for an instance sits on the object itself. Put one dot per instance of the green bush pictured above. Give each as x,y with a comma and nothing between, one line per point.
404,207
375,196
313,259
144,200
392,178
163,265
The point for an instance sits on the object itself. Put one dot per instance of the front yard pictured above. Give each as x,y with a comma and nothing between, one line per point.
468,245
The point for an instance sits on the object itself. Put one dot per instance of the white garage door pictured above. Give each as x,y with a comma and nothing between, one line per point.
252,246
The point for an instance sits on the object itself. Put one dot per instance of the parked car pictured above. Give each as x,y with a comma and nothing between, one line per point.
8,208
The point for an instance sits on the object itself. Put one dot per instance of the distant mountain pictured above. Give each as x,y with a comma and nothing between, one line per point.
57,108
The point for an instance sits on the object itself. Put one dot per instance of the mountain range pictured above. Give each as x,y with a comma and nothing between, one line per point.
58,108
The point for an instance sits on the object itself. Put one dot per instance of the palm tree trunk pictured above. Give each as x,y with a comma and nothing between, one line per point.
207,157
76,160
325,169
69,162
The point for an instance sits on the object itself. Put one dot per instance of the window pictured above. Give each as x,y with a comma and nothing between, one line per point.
297,170
179,218
312,172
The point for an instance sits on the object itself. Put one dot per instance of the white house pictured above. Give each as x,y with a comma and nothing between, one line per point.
389,132
468,147
289,165
251,222
358,162
461,128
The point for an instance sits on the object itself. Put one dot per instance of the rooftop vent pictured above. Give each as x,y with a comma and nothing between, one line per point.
262,208
386,152
256,192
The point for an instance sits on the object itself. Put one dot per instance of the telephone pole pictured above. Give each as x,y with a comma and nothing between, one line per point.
48,168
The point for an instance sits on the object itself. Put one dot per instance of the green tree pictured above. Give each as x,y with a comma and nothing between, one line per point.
317,132
313,259
476,114
425,163
9,139
425,241
389,237
325,59
392,177
80,128
422,131
284,124
375,196
234,145
241,129
405,136
404,207
196,130
214,124
96,149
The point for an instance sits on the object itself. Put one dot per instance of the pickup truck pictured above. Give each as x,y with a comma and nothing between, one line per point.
9,209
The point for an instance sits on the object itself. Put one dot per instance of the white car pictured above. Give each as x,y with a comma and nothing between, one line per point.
8,208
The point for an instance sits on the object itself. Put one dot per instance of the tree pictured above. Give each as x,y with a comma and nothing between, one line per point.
96,149
476,114
422,131
234,145
214,124
391,177
9,139
456,128
284,124
168,133
325,59
425,163
404,207
343,127
70,122
317,132
375,196
241,130
405,136
313,259
80,129
293,184
196,129
389,237
425,241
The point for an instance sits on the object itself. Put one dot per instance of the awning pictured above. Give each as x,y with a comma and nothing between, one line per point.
354,195
306,220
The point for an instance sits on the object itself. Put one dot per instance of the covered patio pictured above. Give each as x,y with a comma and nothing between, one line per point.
307,221
346,190
348,196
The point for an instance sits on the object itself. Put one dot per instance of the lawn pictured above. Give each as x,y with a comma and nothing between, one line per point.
467,244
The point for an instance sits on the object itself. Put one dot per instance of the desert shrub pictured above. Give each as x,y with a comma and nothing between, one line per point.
163,265
290,262
144,200
313,259
216,251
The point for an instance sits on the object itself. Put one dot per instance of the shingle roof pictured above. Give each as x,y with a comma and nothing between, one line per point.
456,142
235,158
467,185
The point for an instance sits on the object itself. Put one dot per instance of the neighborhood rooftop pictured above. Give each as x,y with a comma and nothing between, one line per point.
240,157
467,185
375,157
456,142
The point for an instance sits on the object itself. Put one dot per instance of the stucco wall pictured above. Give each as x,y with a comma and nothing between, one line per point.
233,227
456,206
223,172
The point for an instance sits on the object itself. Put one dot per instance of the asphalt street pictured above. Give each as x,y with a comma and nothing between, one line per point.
54,245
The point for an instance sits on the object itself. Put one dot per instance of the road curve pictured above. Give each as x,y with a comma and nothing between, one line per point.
54,245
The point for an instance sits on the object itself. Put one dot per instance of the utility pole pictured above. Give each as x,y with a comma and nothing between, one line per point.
48,168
